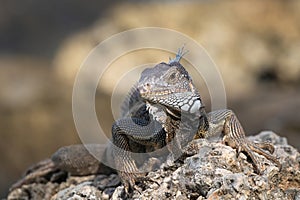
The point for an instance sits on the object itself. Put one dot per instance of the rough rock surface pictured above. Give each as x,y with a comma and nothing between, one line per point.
210,170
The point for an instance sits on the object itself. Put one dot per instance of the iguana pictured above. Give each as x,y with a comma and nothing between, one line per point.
163,111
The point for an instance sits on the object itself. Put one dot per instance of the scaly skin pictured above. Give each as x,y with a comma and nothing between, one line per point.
164,108
172,100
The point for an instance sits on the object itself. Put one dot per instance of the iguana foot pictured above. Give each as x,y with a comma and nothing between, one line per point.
129,181
235,137
258,148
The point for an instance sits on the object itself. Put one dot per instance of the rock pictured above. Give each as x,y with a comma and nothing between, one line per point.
103,181
119,193
81,191
213,171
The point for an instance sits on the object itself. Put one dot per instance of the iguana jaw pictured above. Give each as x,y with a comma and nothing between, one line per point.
177,100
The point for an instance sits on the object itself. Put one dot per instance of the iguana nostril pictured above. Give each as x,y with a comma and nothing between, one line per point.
144,88
148,86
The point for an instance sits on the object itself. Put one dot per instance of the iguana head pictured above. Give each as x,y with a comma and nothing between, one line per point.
169,85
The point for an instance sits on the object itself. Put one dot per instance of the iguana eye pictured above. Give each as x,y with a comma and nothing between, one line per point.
172,76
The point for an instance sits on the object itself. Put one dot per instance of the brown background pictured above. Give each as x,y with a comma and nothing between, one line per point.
255,44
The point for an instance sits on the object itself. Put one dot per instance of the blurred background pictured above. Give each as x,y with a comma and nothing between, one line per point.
255,44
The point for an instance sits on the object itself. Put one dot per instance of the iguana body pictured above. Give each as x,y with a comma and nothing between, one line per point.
171,98
164,109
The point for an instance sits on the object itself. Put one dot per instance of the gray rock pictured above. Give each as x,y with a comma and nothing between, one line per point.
82,191
213,171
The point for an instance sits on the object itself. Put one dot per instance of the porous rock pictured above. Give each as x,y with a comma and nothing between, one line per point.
210,170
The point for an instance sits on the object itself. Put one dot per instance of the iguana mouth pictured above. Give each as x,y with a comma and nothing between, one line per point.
147,92
155,93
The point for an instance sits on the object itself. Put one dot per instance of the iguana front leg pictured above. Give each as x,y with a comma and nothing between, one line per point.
131,138
225,121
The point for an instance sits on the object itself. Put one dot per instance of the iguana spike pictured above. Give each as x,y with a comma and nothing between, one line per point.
179,55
